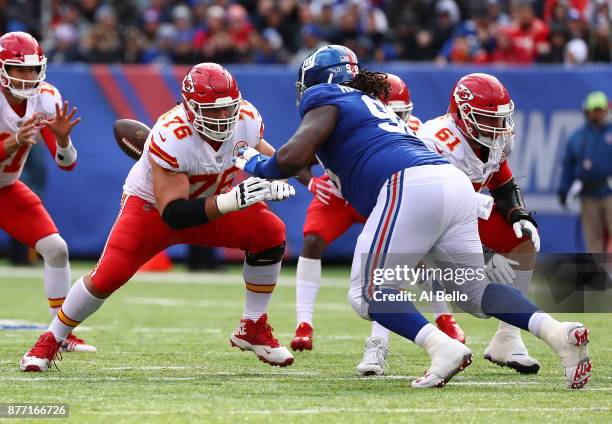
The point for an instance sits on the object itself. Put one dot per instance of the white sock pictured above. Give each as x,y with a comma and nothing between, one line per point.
437,307
255,304
307,287
380,331
79,304
57,285
537,321
424,334
259,284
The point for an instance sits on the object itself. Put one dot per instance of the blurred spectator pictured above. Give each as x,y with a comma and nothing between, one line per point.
431,40
576,52
66,48
528,35
239,28
134,46
496,13
162,50
472,41
559,35
325,21
311,41
268,47
587,159
601,43
105,42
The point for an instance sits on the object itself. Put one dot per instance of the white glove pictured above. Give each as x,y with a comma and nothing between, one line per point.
280,190
245,194
525,226
499,269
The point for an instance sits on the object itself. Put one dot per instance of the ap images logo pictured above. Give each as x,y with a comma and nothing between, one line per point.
462,94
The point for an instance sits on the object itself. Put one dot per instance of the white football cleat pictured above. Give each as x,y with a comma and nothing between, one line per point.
258,338
508,350
74,344
374,357
448,357
569,340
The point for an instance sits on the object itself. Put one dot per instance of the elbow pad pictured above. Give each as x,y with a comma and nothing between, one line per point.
509,202
182,213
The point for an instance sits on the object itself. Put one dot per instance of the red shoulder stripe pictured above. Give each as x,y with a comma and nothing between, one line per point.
170,160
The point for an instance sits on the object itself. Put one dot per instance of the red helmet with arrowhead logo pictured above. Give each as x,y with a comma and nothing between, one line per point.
211,100
482,109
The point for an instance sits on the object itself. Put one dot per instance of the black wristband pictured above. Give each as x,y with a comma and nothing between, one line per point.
183,213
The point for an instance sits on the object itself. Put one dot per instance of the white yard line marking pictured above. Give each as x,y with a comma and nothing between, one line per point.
331,410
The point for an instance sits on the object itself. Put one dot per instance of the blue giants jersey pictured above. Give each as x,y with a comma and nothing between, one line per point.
368,145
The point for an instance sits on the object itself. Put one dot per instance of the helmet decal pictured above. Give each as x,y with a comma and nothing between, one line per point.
462,93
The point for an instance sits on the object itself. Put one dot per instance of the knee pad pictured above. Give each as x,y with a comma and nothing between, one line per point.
358,303
54,250
266,257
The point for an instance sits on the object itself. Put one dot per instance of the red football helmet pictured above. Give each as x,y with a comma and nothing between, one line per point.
482,109
212,101
399,98
21,49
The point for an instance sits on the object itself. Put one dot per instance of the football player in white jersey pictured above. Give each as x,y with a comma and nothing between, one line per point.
31,111
476,135
180,191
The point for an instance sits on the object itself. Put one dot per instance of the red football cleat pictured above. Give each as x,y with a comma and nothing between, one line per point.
303,337
41,355
258,338
447,324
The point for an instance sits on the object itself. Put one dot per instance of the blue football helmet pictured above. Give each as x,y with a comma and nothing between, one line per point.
332,64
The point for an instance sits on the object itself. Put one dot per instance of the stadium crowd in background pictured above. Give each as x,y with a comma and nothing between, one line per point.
286,31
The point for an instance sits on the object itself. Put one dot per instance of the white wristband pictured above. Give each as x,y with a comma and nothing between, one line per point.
226,202
66,156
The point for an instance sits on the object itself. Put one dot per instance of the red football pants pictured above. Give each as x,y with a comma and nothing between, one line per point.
139,234
22,214
330,221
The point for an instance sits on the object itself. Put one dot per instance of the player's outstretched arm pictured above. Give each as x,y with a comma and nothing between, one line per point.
299,152
316,127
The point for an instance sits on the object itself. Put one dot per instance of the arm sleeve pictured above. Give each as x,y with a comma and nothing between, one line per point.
567,165
500,177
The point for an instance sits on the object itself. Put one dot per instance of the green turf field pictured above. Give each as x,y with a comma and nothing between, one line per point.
164,356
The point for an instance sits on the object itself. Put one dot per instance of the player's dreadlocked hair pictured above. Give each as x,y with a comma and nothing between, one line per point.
373,83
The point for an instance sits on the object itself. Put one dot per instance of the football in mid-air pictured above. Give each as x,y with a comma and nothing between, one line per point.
131,136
